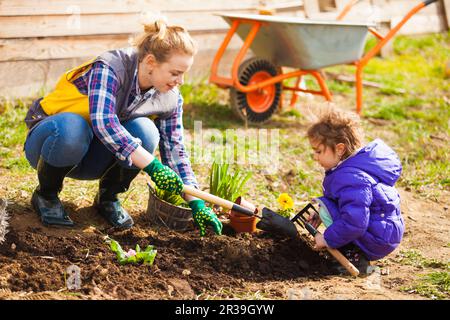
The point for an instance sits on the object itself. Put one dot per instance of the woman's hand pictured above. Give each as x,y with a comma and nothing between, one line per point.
204,216
320,242
164,177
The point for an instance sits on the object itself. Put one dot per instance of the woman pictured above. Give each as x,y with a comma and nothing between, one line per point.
104,120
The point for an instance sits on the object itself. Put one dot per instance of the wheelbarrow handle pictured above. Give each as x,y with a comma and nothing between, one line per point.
216,200
427,2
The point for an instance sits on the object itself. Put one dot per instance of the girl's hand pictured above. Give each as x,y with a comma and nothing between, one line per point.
315,220
320,242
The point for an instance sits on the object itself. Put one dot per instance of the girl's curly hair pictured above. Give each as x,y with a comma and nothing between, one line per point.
337,126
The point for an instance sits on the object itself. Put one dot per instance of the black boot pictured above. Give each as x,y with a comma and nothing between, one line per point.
355,256
117,179
45,198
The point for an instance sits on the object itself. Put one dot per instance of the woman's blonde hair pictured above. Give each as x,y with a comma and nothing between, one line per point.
162,41
337,126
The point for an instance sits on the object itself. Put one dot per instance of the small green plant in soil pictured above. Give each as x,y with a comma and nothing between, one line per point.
147,256
227,185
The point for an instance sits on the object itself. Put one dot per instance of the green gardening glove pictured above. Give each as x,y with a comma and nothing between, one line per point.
165,178
204,216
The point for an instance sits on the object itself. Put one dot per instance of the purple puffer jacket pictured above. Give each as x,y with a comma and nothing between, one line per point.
363,202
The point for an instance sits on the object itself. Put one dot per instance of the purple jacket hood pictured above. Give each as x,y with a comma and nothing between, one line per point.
378,160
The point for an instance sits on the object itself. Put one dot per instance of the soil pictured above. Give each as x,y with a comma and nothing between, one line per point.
34,261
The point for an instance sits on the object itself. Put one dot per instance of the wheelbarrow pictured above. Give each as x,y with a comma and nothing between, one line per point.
256,85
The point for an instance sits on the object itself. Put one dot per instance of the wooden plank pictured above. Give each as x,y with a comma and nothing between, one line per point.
87,47
58,47
47,26
27,78
68,7
51,26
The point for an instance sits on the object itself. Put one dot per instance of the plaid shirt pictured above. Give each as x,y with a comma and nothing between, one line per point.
100,83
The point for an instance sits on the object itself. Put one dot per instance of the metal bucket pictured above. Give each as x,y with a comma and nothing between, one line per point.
166,214
304,44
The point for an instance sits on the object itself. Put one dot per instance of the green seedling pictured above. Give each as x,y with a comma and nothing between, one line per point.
147,257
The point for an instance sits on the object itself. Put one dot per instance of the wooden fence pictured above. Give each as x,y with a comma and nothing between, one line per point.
40,39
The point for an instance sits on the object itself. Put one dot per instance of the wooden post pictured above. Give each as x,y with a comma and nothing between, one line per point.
446,5
311,8
388,48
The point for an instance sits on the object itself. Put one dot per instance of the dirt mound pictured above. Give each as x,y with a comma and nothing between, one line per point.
34,261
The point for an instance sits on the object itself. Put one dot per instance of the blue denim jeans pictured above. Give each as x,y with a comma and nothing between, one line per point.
66,139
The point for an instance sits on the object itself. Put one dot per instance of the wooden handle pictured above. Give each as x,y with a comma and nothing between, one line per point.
344,261
219,201
208,197
201,195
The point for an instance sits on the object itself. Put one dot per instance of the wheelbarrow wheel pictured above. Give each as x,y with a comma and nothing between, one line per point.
259,105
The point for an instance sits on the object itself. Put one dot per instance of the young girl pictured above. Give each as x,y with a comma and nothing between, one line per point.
104,121
360,207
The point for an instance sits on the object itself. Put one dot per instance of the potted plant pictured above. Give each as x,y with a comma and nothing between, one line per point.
230,186
167,209
243,223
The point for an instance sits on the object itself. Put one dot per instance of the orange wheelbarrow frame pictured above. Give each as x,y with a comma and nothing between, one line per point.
225,82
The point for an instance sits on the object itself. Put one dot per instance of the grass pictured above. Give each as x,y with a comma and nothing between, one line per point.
416,259
434,284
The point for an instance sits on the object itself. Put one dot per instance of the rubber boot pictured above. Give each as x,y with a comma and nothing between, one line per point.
116,180
45,199
355,256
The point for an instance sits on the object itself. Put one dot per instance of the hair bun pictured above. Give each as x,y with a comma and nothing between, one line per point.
149,28
155,27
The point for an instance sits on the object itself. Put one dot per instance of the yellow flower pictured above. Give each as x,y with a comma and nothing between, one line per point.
285,201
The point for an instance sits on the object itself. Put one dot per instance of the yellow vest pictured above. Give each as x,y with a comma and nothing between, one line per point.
66,97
